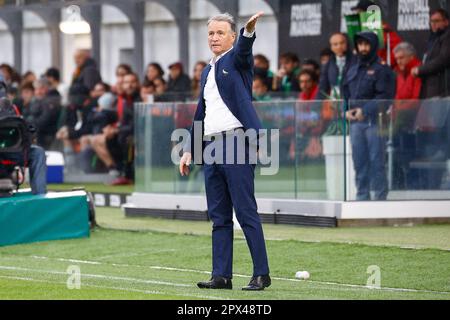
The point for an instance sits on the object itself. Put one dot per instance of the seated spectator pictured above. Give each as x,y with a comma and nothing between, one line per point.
28,77
103,119
196,78
311,64
120,140
10,76
160,90
260,89
287,75
44,113
148,91
335,71
309,87
54,77
325,56
121,71
154,71
26,96
262,68
179,85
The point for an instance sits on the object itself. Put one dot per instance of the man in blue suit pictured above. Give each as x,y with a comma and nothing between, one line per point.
225,106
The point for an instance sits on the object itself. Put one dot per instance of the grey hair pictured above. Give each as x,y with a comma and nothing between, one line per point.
226,17
406,47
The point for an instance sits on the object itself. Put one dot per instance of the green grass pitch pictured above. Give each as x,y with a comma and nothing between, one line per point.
137,258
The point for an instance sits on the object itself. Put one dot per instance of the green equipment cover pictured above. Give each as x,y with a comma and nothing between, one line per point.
28,218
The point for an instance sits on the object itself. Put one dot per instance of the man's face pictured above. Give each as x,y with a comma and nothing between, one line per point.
438,22
259,88
288,65
175,73
41,91
338,45
220,37
27,95
306,83
98,91
130,84
80,58
261,64
363,47
160,88
403,59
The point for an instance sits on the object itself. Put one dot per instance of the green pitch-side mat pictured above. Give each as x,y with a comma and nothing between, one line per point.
28,218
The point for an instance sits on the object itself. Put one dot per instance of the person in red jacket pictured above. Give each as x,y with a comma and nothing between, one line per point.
404,115
408,86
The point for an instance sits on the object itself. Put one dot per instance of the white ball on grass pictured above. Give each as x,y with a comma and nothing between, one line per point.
303,275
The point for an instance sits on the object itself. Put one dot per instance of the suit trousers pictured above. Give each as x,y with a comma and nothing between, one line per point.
228,186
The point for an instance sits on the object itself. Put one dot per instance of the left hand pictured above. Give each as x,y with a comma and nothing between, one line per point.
251,23
359,114
415,72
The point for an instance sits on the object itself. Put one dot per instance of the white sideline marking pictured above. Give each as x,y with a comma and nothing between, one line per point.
243,276
151,292
99,276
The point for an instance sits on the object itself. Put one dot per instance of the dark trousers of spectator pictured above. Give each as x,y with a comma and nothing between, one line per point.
368,151
231,186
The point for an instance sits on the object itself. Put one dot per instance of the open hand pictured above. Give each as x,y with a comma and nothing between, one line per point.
251,23
185,162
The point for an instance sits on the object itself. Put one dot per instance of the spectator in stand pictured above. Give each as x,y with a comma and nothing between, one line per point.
85,77
119,140
54,77
408,86
260,89
325,56
308,80
404,114
10,76
103,118
389,33
121,71
154,71
311,124
311,64
28,77
160,90
179,85
198,69
26,96
44,112
262,68
287,75
147,91
435,75
335,71
435,71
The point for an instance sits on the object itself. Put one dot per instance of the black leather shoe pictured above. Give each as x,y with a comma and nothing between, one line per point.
216,283
258,283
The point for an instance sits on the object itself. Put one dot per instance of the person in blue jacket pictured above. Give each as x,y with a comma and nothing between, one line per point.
225,106
366,88
334,72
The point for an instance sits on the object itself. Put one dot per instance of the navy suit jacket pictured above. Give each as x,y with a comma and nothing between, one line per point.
234,78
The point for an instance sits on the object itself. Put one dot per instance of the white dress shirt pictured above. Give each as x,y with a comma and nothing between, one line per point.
218,117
